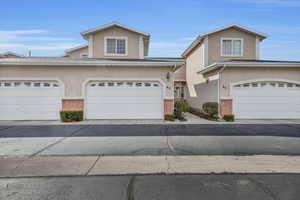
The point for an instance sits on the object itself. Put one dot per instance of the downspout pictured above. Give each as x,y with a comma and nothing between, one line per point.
219,89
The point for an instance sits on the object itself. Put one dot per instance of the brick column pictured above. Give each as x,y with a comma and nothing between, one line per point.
226,107
73,104
168,106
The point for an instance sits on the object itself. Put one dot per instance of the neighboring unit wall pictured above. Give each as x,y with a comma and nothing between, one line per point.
206,92
133,42
180,74
77,53
233,75
194,63
214,45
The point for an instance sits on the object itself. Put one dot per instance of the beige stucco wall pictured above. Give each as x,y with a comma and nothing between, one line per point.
233,75
74,77
206,92
78,52
180,74
214,45
194,63
98,42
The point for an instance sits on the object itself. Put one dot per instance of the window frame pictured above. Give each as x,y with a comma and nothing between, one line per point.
115,38
232,39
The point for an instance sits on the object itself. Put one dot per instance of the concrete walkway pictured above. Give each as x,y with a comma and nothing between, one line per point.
124,165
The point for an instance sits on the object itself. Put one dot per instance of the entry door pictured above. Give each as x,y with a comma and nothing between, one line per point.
124,100
266,100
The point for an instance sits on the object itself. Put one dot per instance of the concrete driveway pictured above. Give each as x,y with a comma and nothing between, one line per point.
205,139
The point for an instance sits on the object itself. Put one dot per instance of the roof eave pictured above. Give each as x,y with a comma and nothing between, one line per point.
131,64
228,64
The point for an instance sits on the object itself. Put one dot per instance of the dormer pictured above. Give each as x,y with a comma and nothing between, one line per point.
230,42
118,41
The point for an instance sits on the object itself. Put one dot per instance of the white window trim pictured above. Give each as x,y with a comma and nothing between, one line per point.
84,55
242,47
117,38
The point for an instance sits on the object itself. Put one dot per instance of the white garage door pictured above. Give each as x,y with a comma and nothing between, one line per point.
30,100
124,100
266,100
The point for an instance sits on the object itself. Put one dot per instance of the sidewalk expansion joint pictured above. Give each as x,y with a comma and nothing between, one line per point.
57,142
93,165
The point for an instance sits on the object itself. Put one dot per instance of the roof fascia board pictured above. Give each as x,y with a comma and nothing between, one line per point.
99,28
231,64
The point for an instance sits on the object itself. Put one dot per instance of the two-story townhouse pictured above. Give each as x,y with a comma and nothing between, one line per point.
223,66
107,78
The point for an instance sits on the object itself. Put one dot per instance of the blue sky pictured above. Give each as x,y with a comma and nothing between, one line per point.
49,27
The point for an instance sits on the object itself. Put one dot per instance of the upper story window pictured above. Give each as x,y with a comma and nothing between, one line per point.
231,47
115,46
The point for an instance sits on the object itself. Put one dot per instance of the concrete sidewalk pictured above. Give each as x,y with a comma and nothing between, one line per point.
125,165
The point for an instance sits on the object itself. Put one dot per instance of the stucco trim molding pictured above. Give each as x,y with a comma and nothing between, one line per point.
260,80
37,79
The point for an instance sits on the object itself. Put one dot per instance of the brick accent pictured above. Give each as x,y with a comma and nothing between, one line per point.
73,104
226,106
168,106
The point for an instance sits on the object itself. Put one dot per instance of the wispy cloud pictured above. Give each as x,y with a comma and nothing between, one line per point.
277,3
47,47
36,39
171,47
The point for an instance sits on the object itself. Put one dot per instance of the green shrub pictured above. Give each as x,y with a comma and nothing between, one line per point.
181,107
170,118
201,114
71,116
211,109
228,118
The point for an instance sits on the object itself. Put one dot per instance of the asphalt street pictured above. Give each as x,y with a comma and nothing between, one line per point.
284,130
205,139
158,187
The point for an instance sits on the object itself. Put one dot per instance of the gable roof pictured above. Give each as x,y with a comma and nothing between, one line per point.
76,48
203,35
99,28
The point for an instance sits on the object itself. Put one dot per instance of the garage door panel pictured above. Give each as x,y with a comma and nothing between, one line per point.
30,100
125,102
30,92
269,102
121,92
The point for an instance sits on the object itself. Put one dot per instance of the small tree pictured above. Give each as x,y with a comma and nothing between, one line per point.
181,107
